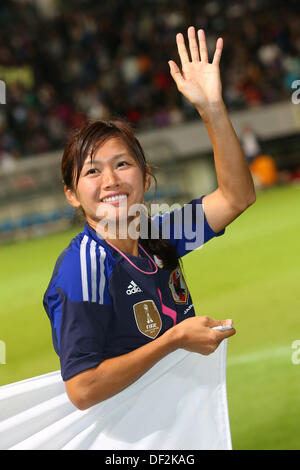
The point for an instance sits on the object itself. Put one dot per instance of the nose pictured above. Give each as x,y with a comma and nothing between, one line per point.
109,178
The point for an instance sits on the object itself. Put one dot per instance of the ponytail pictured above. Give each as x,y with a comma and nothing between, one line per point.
163,249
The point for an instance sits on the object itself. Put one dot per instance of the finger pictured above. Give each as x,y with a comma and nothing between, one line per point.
225,325
182,49
175,73
193,44
218,51
203,47
224,334
212,322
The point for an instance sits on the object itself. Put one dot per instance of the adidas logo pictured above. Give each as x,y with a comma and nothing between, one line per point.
133,288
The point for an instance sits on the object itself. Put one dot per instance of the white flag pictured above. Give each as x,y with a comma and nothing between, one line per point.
179,404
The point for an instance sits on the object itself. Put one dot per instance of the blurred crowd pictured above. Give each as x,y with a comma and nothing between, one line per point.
85,59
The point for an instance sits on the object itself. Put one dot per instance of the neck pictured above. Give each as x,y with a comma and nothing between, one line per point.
127,245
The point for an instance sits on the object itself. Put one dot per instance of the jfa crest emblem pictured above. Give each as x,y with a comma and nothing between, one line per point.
178,286
147,318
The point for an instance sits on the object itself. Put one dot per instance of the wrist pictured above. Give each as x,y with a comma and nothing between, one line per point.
173,337
211,110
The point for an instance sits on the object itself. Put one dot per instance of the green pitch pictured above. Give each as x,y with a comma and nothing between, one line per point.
250,274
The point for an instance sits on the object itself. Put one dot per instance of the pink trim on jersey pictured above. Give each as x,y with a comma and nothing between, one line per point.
129,261
167,310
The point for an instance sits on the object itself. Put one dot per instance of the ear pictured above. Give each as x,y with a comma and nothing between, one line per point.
148,179
71,197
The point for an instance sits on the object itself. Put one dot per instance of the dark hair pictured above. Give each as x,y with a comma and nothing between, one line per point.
85,141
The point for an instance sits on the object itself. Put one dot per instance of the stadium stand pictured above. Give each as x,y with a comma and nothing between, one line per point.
85,59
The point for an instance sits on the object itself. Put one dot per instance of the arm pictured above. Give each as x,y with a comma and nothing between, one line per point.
200,83
113,375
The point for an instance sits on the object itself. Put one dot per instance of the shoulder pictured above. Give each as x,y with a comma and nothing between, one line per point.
184,221
177,213
82,271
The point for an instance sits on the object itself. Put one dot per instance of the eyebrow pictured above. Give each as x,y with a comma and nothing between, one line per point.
114,157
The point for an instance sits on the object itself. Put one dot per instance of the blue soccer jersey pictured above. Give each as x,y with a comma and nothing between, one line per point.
100,306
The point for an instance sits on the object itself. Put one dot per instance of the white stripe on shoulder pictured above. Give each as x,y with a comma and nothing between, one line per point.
84,281
93,270
102,274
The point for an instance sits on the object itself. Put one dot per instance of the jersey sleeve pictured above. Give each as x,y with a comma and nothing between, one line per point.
186,227
79,307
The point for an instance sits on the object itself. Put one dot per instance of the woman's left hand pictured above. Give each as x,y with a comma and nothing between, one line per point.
199,81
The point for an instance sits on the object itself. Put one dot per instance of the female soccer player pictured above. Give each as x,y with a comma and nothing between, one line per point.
118,305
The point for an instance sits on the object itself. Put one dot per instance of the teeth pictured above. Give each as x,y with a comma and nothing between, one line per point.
114,198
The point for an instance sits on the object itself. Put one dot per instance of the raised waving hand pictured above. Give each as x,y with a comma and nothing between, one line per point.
198,80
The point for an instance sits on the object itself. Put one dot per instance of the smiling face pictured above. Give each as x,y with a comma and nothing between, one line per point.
112,178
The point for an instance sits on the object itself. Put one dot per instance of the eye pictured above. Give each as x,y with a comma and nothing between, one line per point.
122,162
92,171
